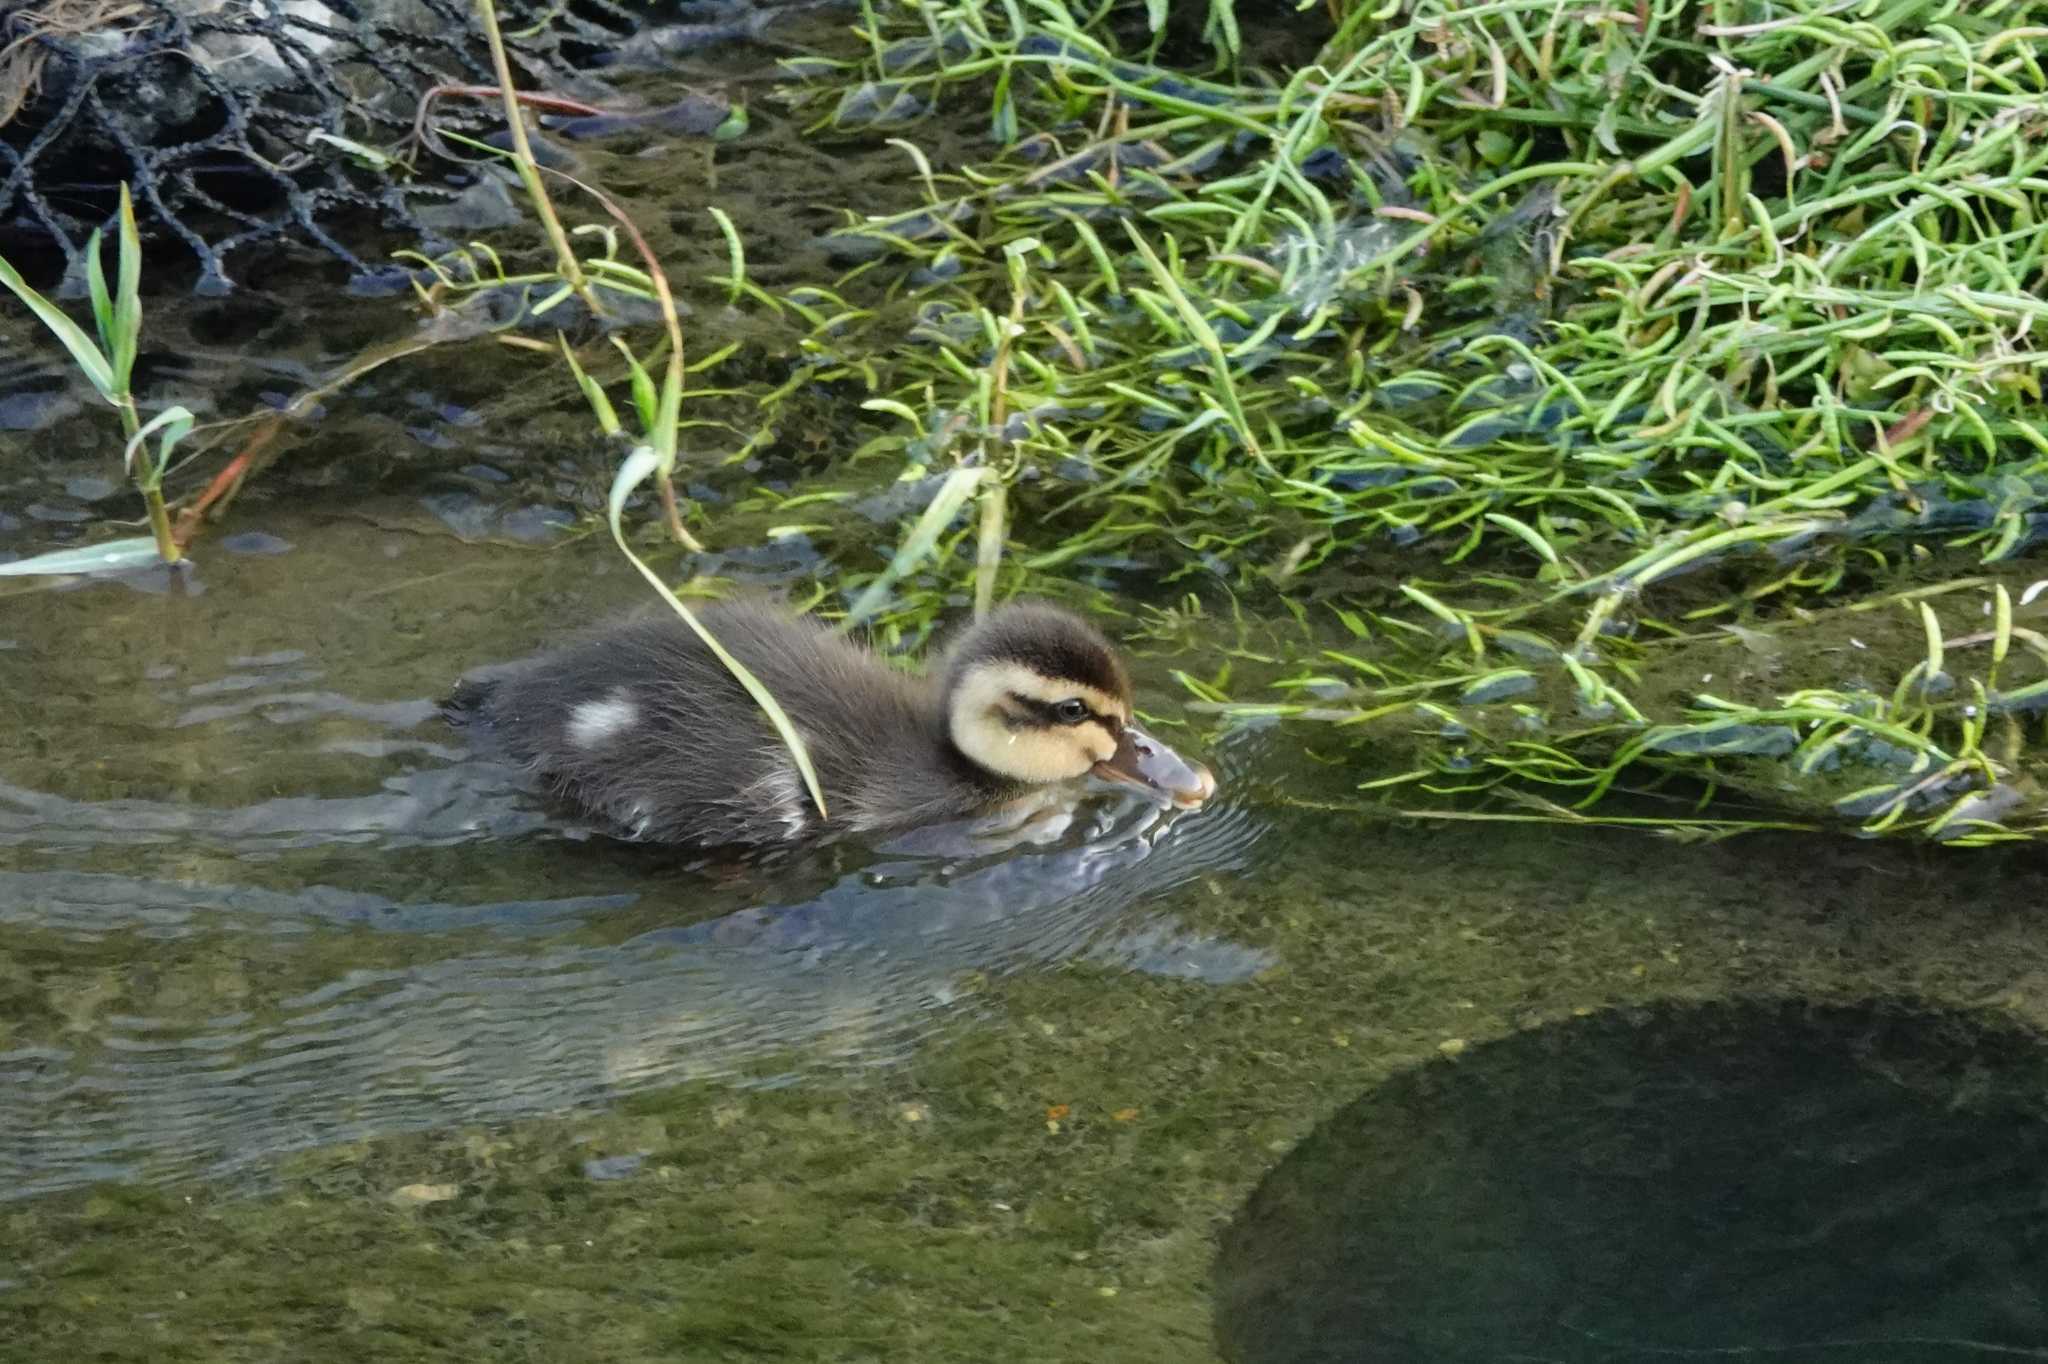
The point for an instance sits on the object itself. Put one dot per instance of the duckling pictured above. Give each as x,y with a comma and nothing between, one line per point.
642,728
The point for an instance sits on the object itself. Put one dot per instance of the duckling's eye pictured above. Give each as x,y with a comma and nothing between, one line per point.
1071,711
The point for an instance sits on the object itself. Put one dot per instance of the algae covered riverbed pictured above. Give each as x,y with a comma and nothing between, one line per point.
1517,454
322,1044
832,1133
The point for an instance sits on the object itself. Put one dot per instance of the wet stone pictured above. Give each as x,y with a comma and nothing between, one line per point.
89,487
532,525
1735,1179
255,542
602,1168
419,1194
466,515
34,411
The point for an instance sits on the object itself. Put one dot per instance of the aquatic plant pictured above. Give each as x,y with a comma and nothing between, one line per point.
109,365
1537,360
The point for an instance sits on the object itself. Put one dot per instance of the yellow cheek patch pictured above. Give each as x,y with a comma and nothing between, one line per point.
984,724
1099,741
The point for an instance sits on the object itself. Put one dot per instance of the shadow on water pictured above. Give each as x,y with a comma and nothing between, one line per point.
1742,1179
354,930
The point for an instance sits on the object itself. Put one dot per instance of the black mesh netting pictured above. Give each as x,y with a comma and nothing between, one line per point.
209,109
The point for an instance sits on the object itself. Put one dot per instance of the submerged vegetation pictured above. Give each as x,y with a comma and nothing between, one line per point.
1618,413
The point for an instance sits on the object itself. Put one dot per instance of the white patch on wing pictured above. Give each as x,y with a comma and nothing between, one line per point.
595,722
783,795
776,797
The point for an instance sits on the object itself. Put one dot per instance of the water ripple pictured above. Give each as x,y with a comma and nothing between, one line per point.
507,1007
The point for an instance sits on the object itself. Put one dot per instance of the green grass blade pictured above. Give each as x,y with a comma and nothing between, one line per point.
938,514
646,402
1527,534
96,288
361,153
988,552
127,337
600,402
176,424
735,252
84,353
668,416
113,556
1205,336
639,466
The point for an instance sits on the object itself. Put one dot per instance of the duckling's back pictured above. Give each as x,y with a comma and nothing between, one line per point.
643,727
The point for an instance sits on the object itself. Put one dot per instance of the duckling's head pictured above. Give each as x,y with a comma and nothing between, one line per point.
1036,695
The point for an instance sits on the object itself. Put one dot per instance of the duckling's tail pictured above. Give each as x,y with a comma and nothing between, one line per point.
466,705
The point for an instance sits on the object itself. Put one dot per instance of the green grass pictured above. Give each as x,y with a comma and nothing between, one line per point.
1497,340
1636,412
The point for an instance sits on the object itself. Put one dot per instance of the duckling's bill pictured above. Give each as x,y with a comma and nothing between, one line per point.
1141,760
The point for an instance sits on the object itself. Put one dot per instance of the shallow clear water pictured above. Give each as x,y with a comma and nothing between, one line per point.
321,1040
284,973
268,809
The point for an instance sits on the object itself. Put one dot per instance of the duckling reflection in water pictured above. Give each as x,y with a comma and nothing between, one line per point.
642,728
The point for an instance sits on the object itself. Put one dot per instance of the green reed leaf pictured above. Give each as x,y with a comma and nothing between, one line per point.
638,467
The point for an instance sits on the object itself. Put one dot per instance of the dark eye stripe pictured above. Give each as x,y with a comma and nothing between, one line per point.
1046,714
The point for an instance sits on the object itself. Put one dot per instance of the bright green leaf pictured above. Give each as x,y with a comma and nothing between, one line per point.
84,353
938,514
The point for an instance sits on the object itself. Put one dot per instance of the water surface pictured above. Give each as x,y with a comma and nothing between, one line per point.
379,932
322,1037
